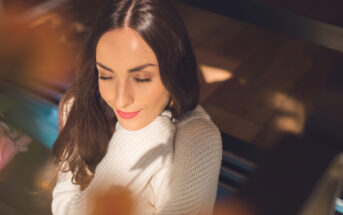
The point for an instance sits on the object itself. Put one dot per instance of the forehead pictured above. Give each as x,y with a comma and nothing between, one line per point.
124,46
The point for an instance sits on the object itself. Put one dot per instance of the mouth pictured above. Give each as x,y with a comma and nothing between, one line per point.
127,115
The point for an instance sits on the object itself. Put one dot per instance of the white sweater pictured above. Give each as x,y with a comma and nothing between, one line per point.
172,167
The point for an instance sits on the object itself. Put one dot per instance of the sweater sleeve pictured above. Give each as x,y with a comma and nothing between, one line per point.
194,176
63,193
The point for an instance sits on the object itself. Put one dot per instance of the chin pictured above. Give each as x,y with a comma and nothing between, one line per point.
135,124
131,128
131,125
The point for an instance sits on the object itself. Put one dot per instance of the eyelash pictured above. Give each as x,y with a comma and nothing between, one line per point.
143,80
137,79
104,78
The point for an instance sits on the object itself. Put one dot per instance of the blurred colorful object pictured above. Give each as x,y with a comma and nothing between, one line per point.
6,104
117,200
41,51
33,115
11,142
234,206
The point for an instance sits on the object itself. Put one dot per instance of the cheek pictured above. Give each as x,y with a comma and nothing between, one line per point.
154,95
106,91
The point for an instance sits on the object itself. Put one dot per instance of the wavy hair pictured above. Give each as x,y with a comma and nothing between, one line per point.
83,140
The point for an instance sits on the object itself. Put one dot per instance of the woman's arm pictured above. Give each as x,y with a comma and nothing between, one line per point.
194,177
63,193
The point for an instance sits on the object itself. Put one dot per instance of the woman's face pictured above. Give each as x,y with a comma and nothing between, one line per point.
129,78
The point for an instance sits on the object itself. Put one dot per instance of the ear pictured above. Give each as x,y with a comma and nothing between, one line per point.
171,102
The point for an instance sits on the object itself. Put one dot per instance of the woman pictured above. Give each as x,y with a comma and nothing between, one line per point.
132,117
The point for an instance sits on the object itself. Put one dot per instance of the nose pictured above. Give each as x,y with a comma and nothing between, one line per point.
123,95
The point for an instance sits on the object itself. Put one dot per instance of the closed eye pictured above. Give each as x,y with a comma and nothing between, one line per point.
143,80
104,78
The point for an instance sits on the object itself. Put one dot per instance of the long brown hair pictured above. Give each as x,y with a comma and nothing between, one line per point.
84,139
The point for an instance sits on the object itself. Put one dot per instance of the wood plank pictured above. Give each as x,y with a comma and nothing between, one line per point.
232,124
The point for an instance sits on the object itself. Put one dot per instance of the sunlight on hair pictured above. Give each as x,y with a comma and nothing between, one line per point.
214,74
292,113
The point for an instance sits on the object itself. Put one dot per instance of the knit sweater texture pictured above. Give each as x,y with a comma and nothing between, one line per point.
170,166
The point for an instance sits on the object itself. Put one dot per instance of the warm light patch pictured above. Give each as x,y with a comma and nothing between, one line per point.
46,174
42,49
242,81
291,116
214,74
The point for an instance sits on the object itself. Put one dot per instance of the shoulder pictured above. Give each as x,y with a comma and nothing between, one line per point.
197,137
197,125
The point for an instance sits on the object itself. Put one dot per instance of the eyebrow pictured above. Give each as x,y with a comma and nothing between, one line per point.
135,69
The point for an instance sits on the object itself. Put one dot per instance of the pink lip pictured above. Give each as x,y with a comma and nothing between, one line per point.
127,115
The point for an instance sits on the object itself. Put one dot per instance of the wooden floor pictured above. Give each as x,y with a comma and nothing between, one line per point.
255,84
260,84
